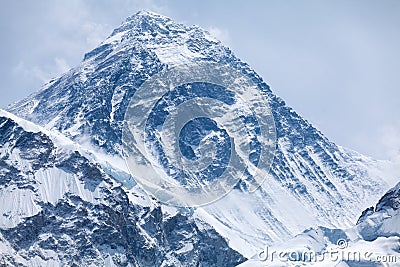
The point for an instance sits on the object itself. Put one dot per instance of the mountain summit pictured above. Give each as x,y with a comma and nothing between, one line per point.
312,181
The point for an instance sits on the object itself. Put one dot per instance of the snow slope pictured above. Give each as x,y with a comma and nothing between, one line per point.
59,208
373,241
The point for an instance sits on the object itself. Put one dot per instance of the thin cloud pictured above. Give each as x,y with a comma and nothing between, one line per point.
391,142
220,34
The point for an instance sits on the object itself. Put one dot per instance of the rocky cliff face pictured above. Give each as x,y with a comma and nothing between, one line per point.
60,209
383,220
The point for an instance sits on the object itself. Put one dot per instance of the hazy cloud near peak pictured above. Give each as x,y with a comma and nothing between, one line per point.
391,141
43,39
220,34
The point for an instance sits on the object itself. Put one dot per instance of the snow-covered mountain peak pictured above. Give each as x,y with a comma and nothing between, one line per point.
147,22
173,43
144,21
147,14
311,177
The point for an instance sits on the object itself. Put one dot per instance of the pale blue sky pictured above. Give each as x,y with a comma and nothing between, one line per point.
335,62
